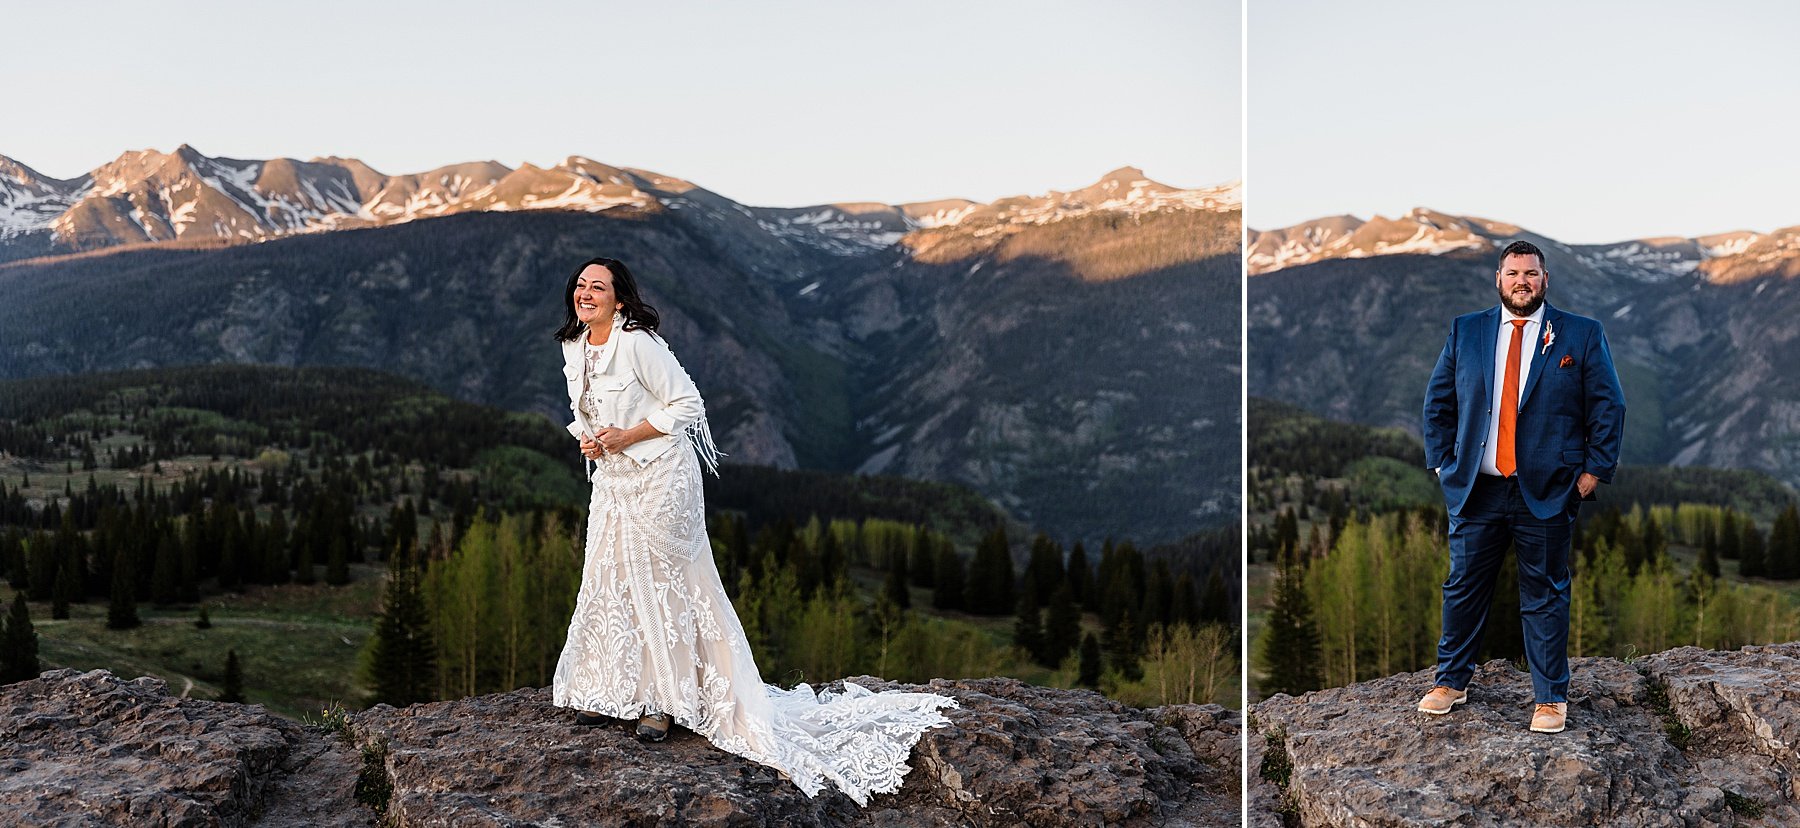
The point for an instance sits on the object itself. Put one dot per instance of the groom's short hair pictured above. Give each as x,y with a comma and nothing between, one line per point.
1522,248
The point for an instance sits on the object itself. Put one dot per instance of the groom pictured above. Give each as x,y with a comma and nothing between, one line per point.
1523,418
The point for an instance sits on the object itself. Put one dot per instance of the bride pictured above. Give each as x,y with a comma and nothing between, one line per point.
654,636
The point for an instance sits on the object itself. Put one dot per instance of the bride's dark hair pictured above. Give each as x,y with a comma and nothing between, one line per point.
638,313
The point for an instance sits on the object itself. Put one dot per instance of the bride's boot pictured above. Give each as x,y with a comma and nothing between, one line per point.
654,727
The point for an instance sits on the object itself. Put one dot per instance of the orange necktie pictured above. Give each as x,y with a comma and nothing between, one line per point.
1509,403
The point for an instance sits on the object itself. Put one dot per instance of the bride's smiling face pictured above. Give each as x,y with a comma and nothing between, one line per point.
594,297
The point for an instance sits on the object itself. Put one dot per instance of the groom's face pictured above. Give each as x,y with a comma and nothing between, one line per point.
1521,281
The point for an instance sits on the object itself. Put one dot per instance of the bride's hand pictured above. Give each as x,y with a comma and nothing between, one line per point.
614,440
590,448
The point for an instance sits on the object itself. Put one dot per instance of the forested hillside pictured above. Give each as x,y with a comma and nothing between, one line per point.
304,536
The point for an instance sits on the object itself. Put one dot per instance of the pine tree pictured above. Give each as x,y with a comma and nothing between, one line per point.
1730,537
234,679
947,593
303,568
1215,607
68,580
1028,627
337,567
1185,608
204,620
18,644
165,579
1709,557
923,556
1044,569
1062,626
990,585
402,655
1782,555
40,575
122,614
1750,547
1158,595
1655,542
1090,661
1122,647
1290,642
1080,577
895,588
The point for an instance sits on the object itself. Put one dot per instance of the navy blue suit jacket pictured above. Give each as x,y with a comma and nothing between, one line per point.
1571,411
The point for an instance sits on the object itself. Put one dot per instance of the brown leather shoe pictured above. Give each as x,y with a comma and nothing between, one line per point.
1441,699
1549,718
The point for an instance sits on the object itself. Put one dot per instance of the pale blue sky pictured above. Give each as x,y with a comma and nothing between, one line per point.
769,103
1586,121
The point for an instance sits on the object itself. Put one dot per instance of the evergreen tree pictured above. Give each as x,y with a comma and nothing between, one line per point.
165,579
234,679
1062,626
1750,547
947,593
204,621
68,581
1185,608
895,588
1709,557
1080,577
1090,661
337,568
1655,541
990,585
1028,628
832,560
1290,642
401,663
1159,591
40,575
1122,654
1730,537
122,614
303,568
1782,555
1044,569
18,644
1216,606
923,556
276,542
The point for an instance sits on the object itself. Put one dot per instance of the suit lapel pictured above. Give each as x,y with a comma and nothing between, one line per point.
1488,334
1540,355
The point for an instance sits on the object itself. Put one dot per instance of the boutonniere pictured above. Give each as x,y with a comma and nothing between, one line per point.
1549,336
1566,361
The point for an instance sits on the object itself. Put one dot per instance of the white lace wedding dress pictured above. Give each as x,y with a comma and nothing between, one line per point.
653,632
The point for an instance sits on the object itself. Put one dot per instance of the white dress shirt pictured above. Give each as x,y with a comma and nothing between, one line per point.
1528,345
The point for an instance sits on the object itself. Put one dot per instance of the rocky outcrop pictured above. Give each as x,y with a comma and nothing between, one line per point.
92,748
1687,737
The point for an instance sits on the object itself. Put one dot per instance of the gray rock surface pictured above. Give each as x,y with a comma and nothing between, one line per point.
1687,737
92,748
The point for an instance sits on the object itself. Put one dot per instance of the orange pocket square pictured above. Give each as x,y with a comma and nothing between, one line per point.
1566,361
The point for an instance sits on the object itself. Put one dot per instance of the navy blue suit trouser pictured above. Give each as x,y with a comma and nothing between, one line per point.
1495,516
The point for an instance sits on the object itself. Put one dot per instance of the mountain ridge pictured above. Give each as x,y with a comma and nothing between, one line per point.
150,196
1422,230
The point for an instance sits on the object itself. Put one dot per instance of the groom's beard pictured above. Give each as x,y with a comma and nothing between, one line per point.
1528,308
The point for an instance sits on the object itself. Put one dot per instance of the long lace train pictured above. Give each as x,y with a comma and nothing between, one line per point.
653,631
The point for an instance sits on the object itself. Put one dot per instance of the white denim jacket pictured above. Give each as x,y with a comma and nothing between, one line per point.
637,378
